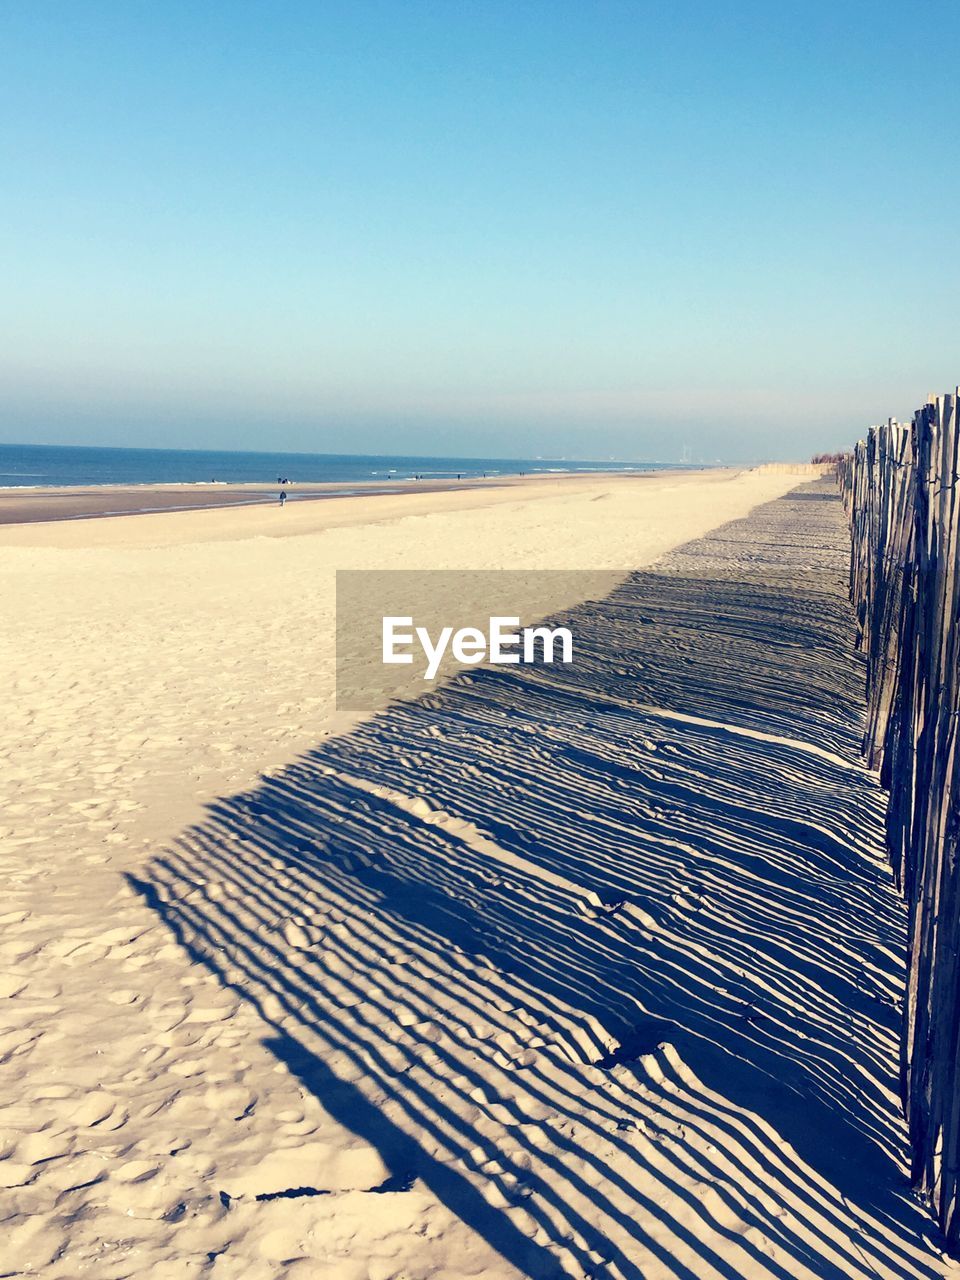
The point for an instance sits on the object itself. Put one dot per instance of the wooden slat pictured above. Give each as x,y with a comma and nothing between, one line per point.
900,491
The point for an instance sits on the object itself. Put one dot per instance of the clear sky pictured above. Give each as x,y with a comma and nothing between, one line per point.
588,227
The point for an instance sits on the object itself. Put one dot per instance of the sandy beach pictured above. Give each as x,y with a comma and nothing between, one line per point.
197,647
177,1096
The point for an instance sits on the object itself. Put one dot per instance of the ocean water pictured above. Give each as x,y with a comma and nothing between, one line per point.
24,465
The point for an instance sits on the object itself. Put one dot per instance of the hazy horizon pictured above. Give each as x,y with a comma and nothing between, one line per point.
482,230
294,453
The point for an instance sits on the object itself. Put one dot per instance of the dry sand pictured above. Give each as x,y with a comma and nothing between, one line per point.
156,663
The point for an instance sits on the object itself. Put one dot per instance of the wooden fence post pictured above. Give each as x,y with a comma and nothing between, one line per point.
900,493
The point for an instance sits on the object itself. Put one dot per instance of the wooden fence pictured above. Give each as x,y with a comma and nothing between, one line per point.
900,490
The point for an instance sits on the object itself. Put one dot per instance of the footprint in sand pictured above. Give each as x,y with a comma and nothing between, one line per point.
299,936
125,996
83,1170
229,1099
36,1148
14,1173
94,1109
16,1043
136,1171
206,1013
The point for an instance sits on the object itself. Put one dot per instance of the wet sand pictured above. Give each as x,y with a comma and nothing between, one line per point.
29,506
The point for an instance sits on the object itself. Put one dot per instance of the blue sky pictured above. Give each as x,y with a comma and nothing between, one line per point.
592,228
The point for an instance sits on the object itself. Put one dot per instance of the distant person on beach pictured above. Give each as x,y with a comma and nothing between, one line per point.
283,496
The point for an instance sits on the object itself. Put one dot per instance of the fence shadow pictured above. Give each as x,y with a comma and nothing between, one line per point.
610,960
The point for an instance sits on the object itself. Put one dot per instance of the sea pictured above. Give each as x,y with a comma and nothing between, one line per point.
34,465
